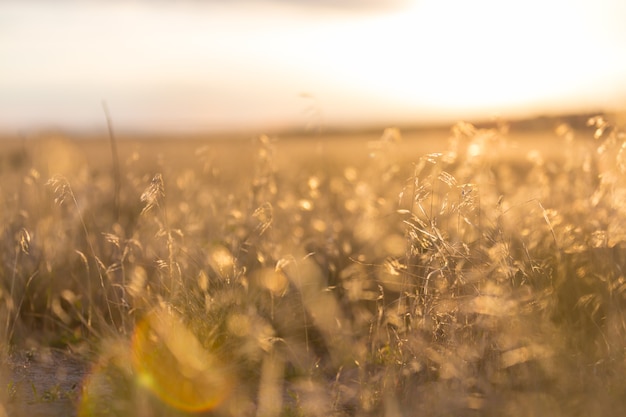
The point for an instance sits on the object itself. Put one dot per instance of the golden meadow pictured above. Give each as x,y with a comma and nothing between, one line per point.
476,273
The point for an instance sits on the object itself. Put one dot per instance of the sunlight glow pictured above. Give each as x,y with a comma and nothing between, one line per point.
486,55
217,66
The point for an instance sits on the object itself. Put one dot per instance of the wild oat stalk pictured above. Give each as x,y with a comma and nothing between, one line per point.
154,197
22,247
63,191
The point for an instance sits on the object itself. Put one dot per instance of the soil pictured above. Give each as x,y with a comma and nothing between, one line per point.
41,382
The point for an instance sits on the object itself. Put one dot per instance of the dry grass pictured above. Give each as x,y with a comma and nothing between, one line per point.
346,279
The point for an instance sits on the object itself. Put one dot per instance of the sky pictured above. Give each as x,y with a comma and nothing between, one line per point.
271,65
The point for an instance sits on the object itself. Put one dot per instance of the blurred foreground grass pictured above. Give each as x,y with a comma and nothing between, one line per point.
469,275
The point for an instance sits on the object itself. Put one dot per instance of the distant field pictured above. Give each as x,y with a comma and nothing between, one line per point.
309,149
460,272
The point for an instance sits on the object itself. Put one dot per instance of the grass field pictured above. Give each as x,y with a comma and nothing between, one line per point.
474,272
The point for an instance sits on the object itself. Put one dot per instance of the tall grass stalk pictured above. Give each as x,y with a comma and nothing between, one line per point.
117,176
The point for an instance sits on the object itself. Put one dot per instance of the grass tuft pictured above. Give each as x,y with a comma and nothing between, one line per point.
461,282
